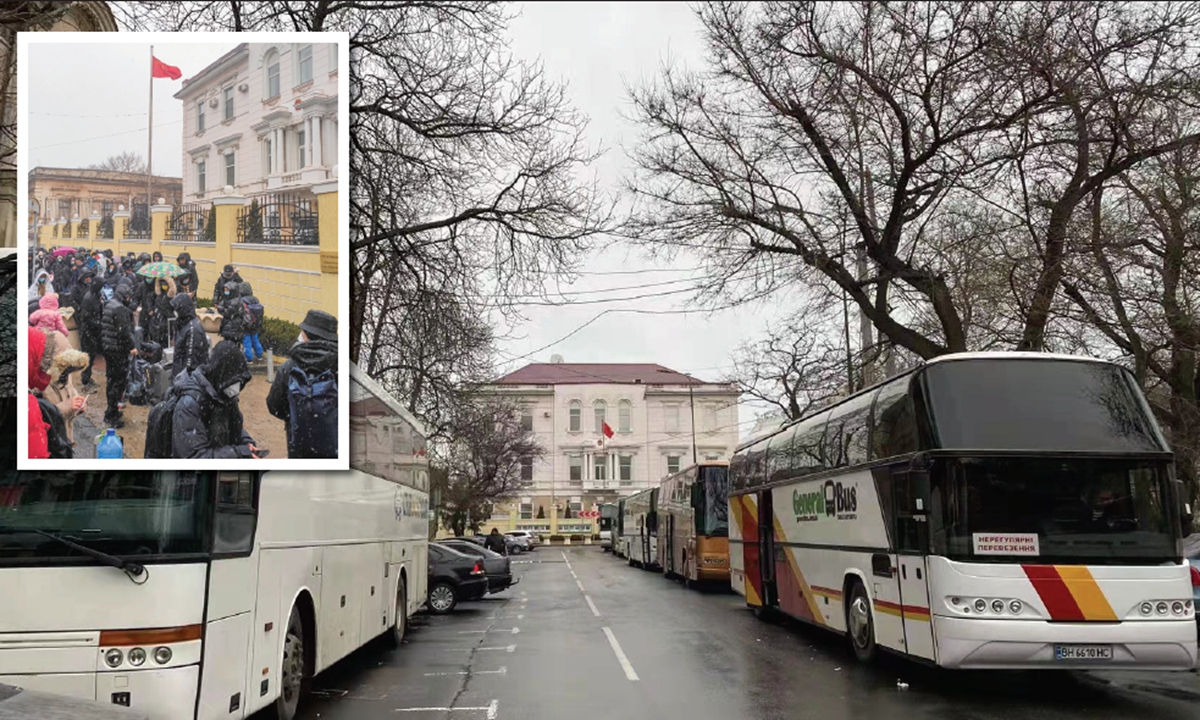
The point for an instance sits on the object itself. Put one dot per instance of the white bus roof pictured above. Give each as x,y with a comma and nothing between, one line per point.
357,375
1012,355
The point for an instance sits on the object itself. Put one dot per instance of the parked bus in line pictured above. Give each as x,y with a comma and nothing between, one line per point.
619,530
693,523
640,528
607,524
984,510
196,595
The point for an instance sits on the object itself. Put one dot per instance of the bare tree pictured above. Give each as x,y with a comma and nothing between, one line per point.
903,117
127,161
483,461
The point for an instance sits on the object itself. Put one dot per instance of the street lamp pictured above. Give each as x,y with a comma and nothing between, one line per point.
692,410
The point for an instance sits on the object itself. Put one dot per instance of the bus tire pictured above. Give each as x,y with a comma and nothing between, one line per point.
860,623
400,624
292,671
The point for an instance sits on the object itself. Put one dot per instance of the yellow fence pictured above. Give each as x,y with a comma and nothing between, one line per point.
289,280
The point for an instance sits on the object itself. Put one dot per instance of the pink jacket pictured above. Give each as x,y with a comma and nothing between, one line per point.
47,318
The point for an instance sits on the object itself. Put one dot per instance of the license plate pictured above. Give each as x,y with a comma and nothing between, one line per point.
1083,652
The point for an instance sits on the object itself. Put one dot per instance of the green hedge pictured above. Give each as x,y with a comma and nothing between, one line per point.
278,335
203,303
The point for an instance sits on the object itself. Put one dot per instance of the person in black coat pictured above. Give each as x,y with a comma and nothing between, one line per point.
116,323
229,275
314,352
230,307
87,317
207,422
191,343
189,282
157,311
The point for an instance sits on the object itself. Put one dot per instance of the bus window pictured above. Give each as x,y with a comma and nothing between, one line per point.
779,456
846,434
806,447
233,524
893,428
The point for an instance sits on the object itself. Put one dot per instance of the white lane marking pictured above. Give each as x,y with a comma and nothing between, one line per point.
616,646
506,648
471,632
493,709
502,671
580,585
516,630
592,605
520,617
574,575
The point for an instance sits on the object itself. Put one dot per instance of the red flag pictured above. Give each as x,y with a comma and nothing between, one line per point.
608,431
160,69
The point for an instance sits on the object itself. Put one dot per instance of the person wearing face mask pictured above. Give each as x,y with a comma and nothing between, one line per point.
207,422
230,306
190,280
304,392
157,312
191,342
116,322
88,317
228,275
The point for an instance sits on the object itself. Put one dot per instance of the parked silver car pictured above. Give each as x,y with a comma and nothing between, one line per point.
526,539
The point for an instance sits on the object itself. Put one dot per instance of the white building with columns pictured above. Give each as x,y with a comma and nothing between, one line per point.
263,119
650,411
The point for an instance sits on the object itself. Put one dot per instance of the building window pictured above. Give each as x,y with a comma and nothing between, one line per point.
229,103
575,463
272,63
574,418
229,174
710,416
200,116
300,146
600,468
576,508
304,64
672,464
526,470
624,416
625,467
333,52
527,420
269,157
601,409
712,457
200,176
526,511
672,412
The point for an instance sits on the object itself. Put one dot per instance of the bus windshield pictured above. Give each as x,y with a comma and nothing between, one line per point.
118,512
712,513
1097,510
1051,405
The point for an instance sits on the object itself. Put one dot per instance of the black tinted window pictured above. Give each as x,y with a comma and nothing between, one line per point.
806,448
846,433
1037,405
436,553
894,429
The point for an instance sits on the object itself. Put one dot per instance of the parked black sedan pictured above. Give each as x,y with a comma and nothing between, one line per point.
454,577
498,567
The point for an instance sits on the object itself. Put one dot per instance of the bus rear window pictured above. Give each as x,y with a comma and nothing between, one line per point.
1040,405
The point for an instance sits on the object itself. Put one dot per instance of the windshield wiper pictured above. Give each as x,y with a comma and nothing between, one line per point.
133,570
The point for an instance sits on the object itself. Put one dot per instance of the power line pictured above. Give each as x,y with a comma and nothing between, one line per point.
102,137
141,114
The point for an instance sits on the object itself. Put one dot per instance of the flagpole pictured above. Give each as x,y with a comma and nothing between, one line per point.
150,135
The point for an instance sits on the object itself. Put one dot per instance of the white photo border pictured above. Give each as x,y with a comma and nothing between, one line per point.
164,40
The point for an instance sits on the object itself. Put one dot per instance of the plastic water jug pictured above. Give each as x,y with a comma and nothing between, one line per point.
110,446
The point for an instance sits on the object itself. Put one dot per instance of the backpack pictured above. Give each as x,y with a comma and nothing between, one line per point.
313,422
252,315
56,434
160,425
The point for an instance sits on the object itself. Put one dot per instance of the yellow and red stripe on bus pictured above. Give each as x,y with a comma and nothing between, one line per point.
1070,593
909,612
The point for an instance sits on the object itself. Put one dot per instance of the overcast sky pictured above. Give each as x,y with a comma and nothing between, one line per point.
88,102
597,48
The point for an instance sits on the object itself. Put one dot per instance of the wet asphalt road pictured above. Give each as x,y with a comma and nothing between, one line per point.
541,651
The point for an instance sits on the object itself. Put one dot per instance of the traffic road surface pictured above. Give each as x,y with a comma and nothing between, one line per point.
586,636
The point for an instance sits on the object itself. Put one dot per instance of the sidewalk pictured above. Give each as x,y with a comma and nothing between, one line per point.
20,704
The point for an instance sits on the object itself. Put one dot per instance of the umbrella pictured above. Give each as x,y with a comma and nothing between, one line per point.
63,251
161,269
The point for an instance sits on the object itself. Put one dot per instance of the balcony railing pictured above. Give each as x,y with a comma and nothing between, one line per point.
279,220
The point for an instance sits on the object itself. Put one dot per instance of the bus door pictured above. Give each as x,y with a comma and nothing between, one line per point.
911,494
667,554
766,548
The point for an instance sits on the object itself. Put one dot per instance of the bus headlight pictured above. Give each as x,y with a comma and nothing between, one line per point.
980,605
162,655
1147,608
997,606
1177,607
1016,607
1161,607
137,656
112,658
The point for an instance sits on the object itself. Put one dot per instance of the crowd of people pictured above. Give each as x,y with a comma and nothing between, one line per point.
129,319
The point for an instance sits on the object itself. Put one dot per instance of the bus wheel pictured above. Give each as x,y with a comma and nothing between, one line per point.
400,625
859,624
291,673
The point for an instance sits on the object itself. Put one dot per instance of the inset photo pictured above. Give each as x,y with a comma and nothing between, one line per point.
186,263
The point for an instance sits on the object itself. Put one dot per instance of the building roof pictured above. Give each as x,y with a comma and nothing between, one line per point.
190,84
592,373
88,174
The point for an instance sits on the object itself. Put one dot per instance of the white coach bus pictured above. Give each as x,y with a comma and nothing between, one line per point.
985,510
195,595
639,528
